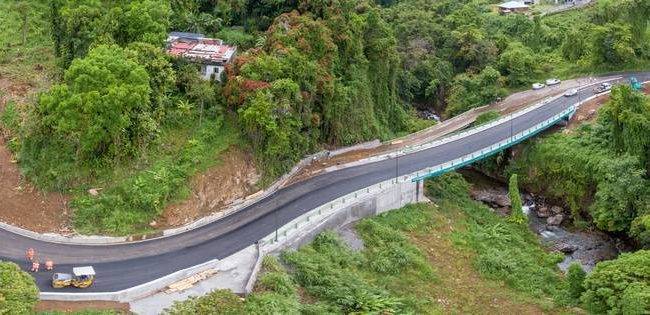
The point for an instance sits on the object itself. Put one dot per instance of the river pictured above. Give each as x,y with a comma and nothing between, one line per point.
587,247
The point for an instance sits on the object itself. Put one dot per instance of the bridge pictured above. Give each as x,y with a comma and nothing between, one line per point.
127,265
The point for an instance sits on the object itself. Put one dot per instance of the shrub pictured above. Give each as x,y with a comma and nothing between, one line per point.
613,283
18,291
517,213
271,303
575,278
486,117
218,302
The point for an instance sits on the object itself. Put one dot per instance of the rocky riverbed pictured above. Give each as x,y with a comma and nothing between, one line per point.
550,223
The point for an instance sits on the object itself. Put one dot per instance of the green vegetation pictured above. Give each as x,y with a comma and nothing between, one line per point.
486,117
504,250
576,277
517,213
132,203
327,75
601,170
457,55
18,291
26,52
620,286
396,271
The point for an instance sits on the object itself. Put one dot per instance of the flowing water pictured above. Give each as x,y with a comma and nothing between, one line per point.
584,246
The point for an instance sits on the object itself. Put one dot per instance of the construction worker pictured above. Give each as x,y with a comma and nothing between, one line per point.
30,254
49,264
35,266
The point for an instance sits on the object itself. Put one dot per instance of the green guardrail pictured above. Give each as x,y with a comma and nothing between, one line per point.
534,131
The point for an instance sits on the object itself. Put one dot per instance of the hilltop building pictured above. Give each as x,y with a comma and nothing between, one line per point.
211,53
513,7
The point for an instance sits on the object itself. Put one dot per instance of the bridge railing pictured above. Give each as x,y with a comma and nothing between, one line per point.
294,228
492,149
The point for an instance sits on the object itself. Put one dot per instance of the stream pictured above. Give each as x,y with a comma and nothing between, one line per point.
548,221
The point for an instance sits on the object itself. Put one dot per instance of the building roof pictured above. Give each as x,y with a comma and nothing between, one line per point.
186,35
513,5
198,48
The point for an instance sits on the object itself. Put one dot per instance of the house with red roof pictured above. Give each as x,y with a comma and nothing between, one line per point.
210,53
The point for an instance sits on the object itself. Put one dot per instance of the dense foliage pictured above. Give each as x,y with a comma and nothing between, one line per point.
79,25
620,286
102,110
391,274
459,54
504,250
18,291
600,171
516,213
323,75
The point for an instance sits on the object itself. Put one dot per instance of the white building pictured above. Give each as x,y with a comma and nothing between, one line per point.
211,53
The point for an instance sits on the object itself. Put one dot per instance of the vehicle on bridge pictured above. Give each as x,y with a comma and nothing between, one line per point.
603,87
81,277
571,92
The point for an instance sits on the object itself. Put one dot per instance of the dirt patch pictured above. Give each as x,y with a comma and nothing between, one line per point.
67,306
25,206
461,289
233,178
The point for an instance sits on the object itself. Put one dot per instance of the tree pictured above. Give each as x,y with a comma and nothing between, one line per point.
516,213
102,110
575,277
18,291
614,283
518,64
627,115
162,78
612,44
469,91
23,9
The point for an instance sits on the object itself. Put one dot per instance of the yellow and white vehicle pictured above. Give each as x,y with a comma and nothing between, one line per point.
81,277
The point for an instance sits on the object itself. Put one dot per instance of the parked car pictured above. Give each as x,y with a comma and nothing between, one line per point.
538,86
603,87
553,81
571,92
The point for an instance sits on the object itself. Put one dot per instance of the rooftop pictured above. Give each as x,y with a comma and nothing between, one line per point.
513,5
197,47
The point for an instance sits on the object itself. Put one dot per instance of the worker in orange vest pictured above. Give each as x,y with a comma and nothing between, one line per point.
49,264
30,254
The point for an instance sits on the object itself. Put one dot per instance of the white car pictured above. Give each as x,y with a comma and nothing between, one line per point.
571,92
538,86
553,81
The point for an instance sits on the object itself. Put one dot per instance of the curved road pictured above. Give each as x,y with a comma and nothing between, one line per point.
121,266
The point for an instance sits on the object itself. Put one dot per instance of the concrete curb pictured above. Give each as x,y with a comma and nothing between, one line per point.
250,284
251,199
371,200
133,293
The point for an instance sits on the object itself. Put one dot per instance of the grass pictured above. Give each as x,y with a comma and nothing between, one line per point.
450,256
134,194
32,62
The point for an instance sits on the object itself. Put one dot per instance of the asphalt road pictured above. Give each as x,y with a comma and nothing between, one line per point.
122,266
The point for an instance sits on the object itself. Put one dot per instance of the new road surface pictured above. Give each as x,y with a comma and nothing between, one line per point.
125,265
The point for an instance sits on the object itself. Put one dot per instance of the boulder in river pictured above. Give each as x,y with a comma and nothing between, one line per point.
555,220
556,210
543,212
566,248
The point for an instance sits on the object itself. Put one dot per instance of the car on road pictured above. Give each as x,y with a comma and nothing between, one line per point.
538,86
571,92
603,87
553,81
